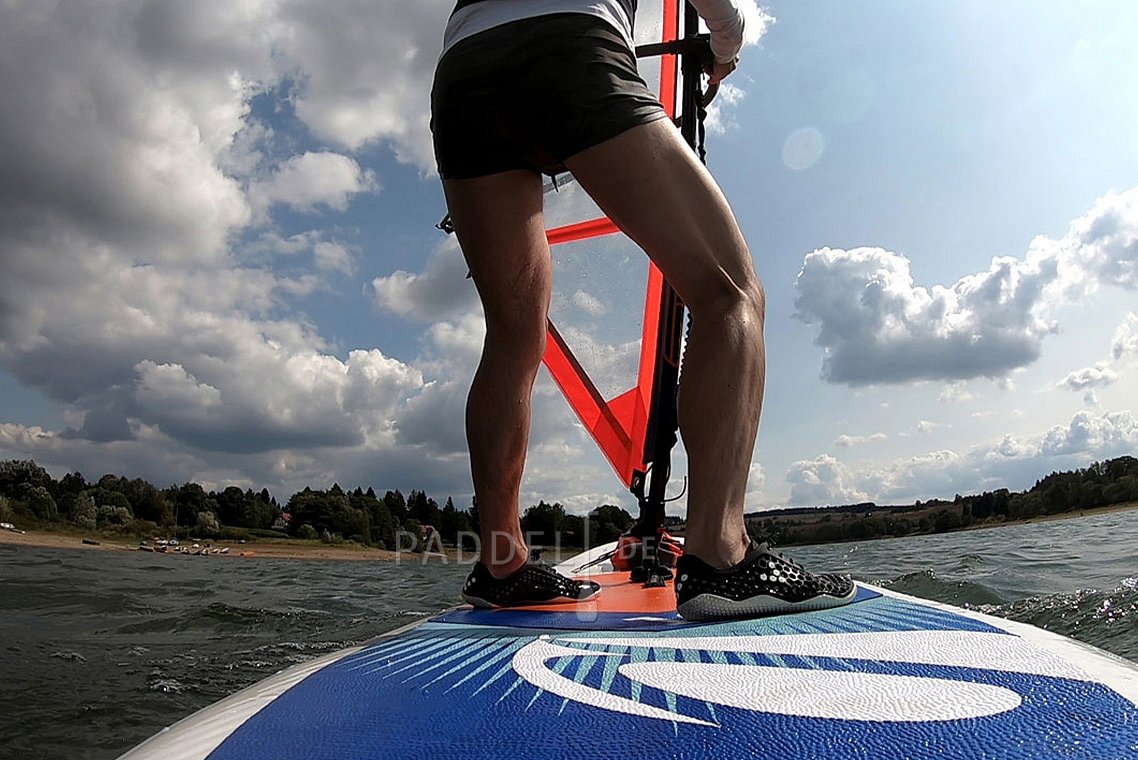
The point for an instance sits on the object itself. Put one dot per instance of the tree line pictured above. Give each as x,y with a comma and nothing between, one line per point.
1102,484
116,504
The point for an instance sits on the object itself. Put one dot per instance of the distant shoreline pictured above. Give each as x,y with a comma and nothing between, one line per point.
802,520
314,550
991,523
263,549
1124,506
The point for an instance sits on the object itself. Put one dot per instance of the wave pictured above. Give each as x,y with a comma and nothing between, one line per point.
927,585
1106,619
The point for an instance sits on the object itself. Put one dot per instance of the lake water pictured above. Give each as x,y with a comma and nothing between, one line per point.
99,650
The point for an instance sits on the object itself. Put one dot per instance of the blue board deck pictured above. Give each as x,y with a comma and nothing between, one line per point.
888,676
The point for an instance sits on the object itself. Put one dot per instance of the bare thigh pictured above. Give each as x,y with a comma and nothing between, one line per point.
499,223
649,182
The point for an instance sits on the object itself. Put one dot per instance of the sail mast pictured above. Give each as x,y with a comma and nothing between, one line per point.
693,51
636,430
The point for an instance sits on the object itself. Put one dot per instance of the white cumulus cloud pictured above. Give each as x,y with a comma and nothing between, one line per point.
1097,376
1105,435
877,325
1011,462
1124,346
1125,341
140,260
588,303
849,441
442,290
823,481
310,180
363,69
334,256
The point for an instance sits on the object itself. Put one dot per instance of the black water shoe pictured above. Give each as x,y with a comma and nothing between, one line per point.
530,584
764,583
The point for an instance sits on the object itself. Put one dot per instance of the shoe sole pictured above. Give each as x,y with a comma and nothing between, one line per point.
482,604
713,607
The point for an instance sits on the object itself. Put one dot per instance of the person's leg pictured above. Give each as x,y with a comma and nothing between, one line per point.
650,184
499,224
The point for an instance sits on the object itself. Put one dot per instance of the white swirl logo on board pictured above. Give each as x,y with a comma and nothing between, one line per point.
833,694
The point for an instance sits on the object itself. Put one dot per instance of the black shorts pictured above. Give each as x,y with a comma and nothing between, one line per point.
531,93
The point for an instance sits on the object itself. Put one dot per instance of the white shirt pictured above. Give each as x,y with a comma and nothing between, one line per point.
722,17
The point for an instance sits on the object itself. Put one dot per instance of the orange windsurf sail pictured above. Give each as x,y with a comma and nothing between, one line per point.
635,428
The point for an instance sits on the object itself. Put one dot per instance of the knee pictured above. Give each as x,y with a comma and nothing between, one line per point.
748,310
739,298
753,297
520,335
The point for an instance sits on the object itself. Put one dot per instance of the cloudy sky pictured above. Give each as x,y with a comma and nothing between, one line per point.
218,260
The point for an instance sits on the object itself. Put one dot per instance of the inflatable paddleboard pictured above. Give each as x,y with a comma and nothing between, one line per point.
888,676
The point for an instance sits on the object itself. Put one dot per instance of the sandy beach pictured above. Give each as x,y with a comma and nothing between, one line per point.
298,549
1121,507
284,549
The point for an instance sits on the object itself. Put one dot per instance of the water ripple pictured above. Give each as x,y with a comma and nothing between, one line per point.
103,649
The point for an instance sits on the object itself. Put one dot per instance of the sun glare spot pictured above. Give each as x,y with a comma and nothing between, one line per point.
802,149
